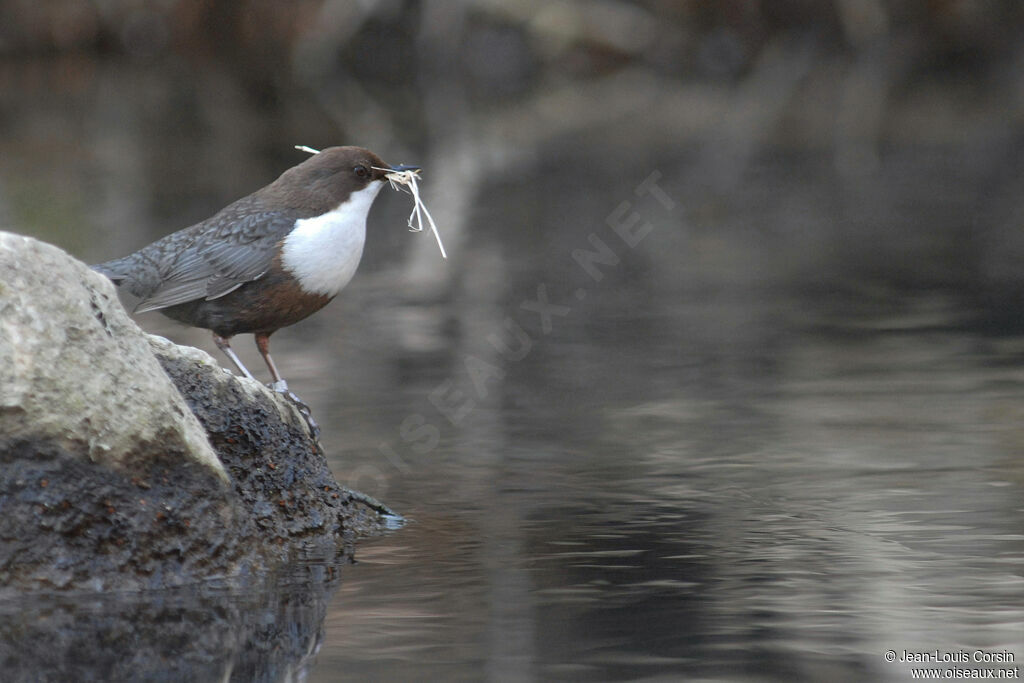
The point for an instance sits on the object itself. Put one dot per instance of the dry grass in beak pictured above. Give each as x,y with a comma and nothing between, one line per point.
398,180
408,179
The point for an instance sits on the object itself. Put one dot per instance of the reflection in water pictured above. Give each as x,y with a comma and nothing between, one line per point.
791,523
267,631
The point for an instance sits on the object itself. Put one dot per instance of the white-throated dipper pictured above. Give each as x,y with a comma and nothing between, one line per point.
266,261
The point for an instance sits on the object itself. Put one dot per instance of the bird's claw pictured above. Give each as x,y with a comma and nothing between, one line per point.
281,387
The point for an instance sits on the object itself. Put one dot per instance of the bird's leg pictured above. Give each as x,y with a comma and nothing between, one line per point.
281,387
223,345
263,344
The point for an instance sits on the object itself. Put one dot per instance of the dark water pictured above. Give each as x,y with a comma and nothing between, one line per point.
787,504
770,437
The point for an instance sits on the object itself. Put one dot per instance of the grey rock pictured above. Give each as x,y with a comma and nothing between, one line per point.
127,461
76,372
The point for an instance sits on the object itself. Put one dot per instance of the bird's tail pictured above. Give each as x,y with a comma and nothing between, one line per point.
116,270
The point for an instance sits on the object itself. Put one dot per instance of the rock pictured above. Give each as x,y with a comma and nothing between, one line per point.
75,369
127,461
277,469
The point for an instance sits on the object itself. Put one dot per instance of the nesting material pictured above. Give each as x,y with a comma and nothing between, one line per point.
400,180
409,179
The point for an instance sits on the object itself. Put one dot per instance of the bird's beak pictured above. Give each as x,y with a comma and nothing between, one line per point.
403,167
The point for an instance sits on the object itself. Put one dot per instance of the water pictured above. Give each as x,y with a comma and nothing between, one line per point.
788,512
771,438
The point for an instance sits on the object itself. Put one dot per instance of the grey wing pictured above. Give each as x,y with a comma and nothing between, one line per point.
219,261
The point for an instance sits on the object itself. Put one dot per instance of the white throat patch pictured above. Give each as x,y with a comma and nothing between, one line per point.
323,252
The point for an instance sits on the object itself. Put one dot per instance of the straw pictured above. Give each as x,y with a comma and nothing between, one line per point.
419,210
398,180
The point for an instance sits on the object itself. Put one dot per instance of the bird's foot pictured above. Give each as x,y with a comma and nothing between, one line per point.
281,387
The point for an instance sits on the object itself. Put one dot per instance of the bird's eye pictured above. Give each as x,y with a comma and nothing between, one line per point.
361,171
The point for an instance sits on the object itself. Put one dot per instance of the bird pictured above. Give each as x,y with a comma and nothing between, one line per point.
266,261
